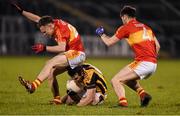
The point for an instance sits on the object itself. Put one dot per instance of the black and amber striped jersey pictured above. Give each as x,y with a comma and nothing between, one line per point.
94,78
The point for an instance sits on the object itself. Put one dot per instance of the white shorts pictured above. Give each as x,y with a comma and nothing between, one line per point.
98,99
143,68
75,58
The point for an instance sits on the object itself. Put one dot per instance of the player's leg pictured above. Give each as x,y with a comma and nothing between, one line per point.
54,85
98,99
52,81
133,84
118,81
59,61
143,70
74,58
144,96
70,58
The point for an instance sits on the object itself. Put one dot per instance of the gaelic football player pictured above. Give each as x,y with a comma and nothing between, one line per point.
69,49
145,46
92,81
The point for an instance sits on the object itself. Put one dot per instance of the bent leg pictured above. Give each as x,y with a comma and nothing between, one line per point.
59,60
133,84
52,81
125,75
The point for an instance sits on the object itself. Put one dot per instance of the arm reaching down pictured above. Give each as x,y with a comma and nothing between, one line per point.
90,94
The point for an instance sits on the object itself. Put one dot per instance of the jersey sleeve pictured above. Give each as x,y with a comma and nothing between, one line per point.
92,83
121,32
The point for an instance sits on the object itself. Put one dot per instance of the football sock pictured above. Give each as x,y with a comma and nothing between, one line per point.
36,83
123,102
57,97
141,92
57,100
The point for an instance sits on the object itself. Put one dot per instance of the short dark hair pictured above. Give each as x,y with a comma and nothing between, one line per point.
78,70
45,20
128,10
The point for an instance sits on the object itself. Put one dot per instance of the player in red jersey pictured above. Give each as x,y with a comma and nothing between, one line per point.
70,51
145,46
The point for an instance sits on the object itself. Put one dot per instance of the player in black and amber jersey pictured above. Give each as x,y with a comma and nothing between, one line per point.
93,83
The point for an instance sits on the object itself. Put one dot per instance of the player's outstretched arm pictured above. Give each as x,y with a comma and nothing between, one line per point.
106,39
109,40
31,16
28,15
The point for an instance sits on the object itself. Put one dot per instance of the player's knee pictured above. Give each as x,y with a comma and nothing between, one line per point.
114,81
50,78
48,62
122,80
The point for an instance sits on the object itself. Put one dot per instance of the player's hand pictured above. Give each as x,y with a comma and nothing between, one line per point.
17,7
100,31
39,47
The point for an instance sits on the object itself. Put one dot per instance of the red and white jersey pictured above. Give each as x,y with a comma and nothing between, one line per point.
141,39
65,32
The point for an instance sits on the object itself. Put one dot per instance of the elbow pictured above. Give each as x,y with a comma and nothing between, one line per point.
158,47
108,44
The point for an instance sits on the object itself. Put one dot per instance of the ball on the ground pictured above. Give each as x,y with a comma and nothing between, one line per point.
71,85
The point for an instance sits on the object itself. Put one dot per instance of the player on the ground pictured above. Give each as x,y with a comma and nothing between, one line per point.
92,80
145,46
69,49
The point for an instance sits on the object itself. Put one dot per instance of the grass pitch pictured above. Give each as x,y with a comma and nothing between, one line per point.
164,86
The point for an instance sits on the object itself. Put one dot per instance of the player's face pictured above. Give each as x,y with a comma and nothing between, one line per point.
124,19
47,30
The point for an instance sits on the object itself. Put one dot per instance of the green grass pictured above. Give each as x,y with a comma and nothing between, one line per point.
164,86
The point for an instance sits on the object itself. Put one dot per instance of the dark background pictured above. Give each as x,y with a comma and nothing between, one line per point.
163,16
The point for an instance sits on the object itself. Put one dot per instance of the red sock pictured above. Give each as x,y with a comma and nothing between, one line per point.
123,102
36,83
57,100
141,92
57,97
